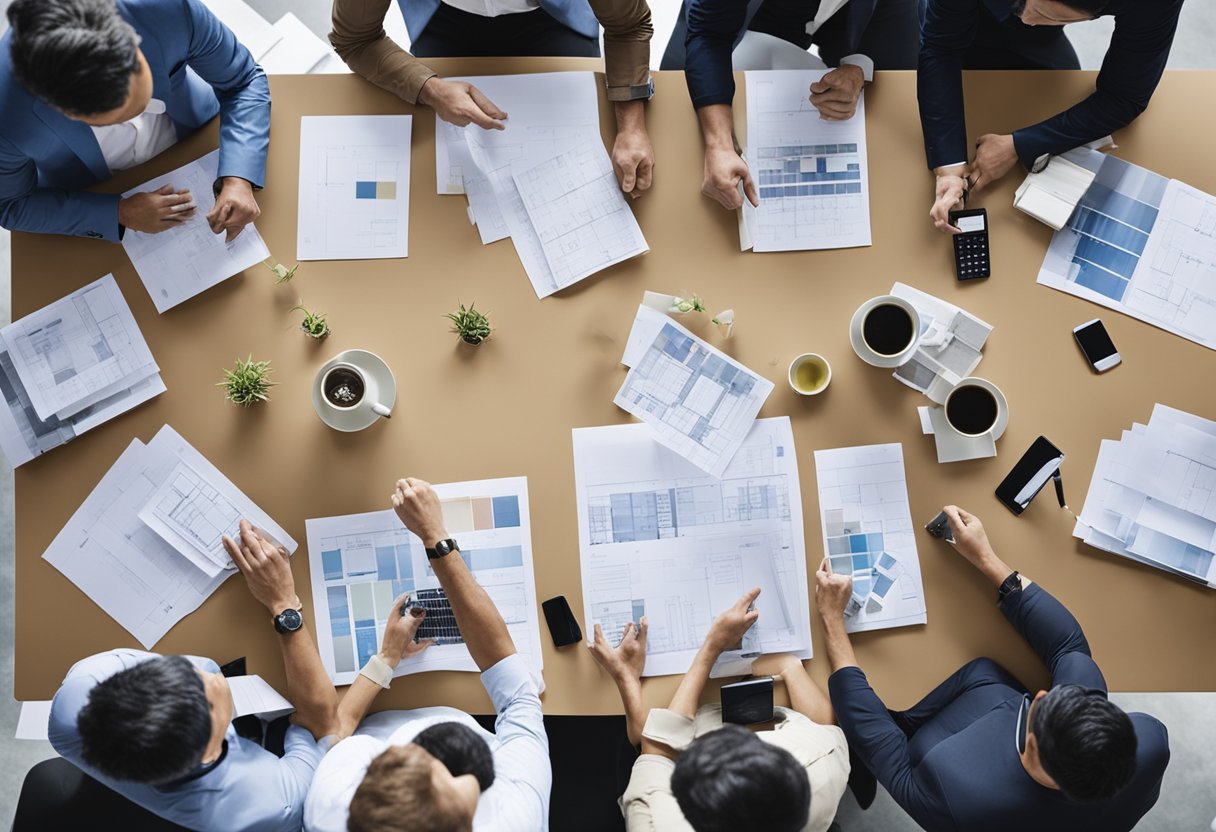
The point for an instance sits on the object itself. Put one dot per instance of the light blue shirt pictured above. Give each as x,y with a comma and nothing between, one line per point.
519,799
250,788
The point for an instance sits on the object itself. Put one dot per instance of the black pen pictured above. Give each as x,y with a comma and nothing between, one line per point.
1059,481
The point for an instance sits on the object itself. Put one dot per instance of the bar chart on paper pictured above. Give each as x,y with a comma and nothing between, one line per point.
354,187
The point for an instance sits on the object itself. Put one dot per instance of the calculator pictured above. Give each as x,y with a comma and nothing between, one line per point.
971,260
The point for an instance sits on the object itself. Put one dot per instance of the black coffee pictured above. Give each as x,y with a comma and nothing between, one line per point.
887,329
971,409
343,387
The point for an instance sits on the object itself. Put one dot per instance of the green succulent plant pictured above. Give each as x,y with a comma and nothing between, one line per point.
248,382
314,325
472,326
282,273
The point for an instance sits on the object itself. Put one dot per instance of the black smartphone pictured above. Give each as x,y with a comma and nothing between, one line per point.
1095,343
1028,477
563,626
748,702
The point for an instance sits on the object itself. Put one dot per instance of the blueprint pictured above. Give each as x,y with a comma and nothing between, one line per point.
360,563
949,348
660,538
1141,244
79,350
354,187
867,533
177,264
811,174
696,400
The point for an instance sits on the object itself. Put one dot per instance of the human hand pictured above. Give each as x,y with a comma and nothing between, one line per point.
625,661
633,159
403,623
970,539
832,592
155,211
728,628
835,95
461,104
234,208
266,568
994,156
948,195
724,170
418,506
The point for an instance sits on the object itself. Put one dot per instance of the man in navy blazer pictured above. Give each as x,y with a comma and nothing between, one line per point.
980,753
1029,34
90,87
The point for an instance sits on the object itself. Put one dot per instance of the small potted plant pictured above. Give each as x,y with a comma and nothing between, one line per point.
314,325
248,382
472,326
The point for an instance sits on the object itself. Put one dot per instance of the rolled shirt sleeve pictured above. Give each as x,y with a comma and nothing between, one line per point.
627,33
359,38
521,752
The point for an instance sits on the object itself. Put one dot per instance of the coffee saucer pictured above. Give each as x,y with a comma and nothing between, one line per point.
382,388
1002,405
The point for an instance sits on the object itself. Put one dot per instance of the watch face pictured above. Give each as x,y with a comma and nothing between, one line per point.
289,621
443,547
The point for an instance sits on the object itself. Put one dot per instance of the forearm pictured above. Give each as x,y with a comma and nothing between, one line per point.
308,686
57,211
630,116
840,649
627,33
688,695
949,29
359,39
630,690
713,26
717,127
245,130
353,707
806,697
484,631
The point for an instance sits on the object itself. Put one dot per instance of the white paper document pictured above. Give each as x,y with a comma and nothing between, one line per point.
949,346
1052,194
78,351
660,538
697,401
811,174
354,187
868,534
361,563
1140,244
254,695
177,264
34,721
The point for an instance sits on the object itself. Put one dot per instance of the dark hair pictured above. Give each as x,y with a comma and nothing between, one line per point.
78,55
148,724
461,749
731,779
1087,744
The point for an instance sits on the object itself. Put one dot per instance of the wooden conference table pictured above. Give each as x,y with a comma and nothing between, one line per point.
507,408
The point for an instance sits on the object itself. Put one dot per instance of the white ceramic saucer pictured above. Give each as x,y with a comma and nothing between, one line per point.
381,387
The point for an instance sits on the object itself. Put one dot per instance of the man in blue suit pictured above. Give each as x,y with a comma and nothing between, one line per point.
980,753
91,87
855,36
1029,34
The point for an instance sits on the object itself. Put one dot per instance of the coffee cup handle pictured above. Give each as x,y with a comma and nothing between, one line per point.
381,410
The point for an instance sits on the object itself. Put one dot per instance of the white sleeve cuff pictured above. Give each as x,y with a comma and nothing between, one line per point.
859,60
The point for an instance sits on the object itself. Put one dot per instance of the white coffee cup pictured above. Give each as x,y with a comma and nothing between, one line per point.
818,365
345,386
865,328
975,407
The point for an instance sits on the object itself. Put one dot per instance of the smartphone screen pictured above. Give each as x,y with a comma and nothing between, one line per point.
1029,476
563,626
1095,342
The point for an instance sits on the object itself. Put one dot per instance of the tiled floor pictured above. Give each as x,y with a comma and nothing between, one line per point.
1188,800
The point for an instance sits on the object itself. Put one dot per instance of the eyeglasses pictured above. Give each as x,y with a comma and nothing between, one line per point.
1023,727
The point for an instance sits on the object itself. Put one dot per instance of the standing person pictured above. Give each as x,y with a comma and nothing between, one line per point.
1028,34
981,753
436,769
92,87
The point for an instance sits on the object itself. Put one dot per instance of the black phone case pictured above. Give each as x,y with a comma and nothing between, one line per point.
1014,484
748,702
563,626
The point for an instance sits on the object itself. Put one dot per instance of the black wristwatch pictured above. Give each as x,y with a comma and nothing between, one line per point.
1013,582
288,621
442,549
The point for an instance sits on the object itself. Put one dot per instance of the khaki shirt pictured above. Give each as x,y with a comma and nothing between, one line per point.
649,805
358,37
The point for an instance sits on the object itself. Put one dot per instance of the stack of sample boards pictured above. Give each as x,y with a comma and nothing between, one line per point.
69,367
1153,495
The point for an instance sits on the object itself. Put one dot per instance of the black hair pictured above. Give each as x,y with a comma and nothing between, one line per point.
147,724
77,55
730,779
461,749
1087,744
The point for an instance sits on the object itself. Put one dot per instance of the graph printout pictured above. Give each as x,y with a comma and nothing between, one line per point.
867,533
698,401
811,174
360,563
354,187
660,538
1141,244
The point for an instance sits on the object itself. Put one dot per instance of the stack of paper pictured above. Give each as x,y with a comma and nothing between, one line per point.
1052,194
951,340
1153,495
69,367
145,545
697,400
545,181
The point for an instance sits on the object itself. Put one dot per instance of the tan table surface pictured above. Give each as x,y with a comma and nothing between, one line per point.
507,408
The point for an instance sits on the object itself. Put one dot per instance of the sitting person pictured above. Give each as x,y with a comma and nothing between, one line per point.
92,87
436,769
158,729
982,753
695,772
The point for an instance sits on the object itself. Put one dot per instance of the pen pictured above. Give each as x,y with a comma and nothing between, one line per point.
1059,481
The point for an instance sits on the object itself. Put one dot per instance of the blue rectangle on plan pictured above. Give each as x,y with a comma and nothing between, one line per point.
506,512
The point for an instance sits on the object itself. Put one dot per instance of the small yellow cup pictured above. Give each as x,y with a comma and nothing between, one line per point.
810,374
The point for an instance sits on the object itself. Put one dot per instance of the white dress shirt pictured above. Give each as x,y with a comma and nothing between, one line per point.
827,8
136,141
493,8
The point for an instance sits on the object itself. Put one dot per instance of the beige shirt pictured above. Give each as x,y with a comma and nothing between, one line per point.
649,805
358,37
